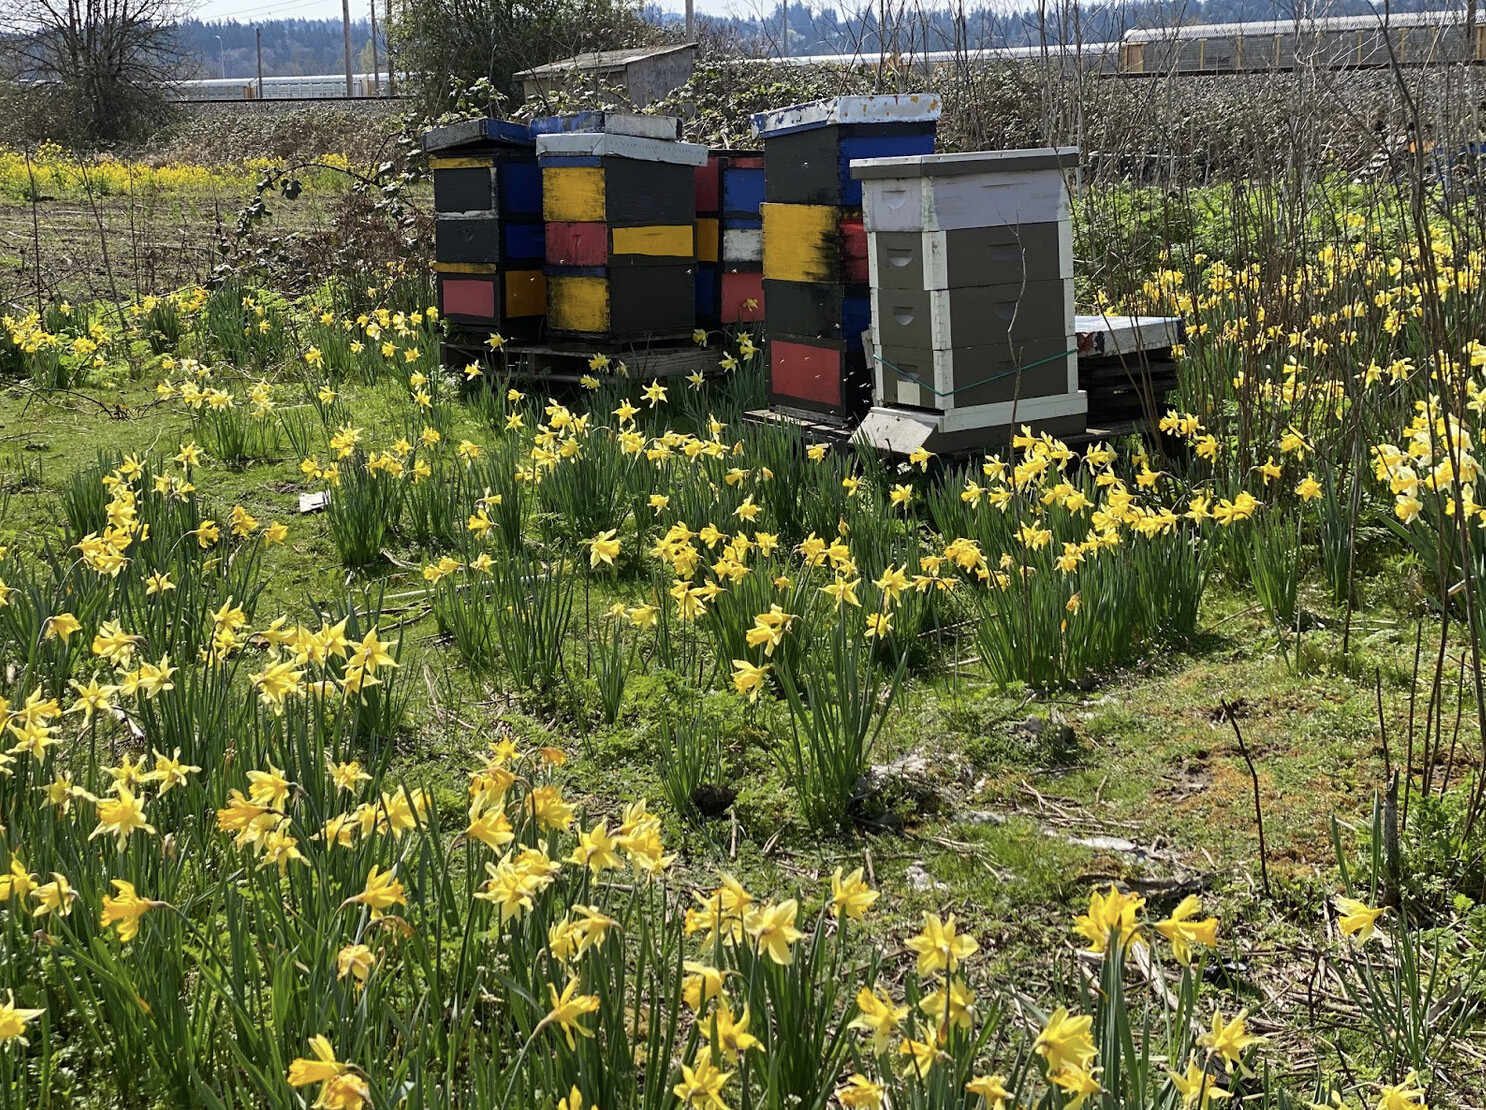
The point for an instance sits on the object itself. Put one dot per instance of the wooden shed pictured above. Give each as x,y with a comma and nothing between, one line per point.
644,73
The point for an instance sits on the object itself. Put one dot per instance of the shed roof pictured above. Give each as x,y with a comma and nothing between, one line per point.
603,60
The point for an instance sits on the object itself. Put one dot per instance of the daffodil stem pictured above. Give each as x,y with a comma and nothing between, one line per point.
516,1066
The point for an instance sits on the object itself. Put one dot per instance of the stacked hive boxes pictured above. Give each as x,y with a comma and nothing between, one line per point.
815,271
487,194
730,189
971,262
619,201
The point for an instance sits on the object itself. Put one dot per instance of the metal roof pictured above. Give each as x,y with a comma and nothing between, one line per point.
603,60
940,57
1294,26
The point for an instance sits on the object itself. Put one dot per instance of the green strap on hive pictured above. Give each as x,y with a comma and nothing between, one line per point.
916,380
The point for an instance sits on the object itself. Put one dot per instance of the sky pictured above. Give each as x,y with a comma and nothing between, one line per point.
247,11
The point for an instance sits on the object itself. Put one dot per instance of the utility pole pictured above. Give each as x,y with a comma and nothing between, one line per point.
258,35
376,65
784,28
691,22
346,22
387,23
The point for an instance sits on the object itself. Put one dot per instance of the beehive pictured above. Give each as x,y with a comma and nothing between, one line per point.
809,148
488,243
619,206
970,259
814,251
730,189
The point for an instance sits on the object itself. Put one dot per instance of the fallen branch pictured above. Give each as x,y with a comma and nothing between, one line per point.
1243,750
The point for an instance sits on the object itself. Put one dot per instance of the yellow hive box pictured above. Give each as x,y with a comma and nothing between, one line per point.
465,267
656,241
459,163
709,238
802,242
578,303
526,293
573,194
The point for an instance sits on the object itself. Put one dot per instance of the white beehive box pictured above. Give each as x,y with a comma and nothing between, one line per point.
971,266
943,192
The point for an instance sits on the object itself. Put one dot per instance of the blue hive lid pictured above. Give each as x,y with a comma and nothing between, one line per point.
478,132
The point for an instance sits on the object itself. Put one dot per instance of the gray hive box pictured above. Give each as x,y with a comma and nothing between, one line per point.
971,264
985,188
970,256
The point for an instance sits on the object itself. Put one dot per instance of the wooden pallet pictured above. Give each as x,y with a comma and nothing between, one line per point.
807,424
568,362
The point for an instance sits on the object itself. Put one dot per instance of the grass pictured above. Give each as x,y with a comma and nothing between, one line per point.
990,822
1131,728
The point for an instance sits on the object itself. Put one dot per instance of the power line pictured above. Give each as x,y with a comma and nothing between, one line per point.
274,9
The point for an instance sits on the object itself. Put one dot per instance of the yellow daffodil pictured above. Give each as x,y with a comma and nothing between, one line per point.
1184,930
567,1008
14,1019
940,947
1357,919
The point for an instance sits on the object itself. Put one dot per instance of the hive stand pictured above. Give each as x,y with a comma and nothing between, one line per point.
815,270
488,242
567,361
1125,366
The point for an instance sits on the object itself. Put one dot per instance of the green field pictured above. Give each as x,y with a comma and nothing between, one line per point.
1235,663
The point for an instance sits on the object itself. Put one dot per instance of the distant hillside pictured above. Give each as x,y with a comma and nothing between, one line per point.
817,30
292,47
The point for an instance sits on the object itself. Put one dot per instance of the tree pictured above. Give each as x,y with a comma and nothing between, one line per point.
104,65
443,44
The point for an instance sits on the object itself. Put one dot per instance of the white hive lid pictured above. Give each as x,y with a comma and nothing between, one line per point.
622,146
605,122
976,161
841,110
1125,335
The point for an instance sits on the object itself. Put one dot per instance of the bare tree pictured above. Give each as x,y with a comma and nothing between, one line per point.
100,68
